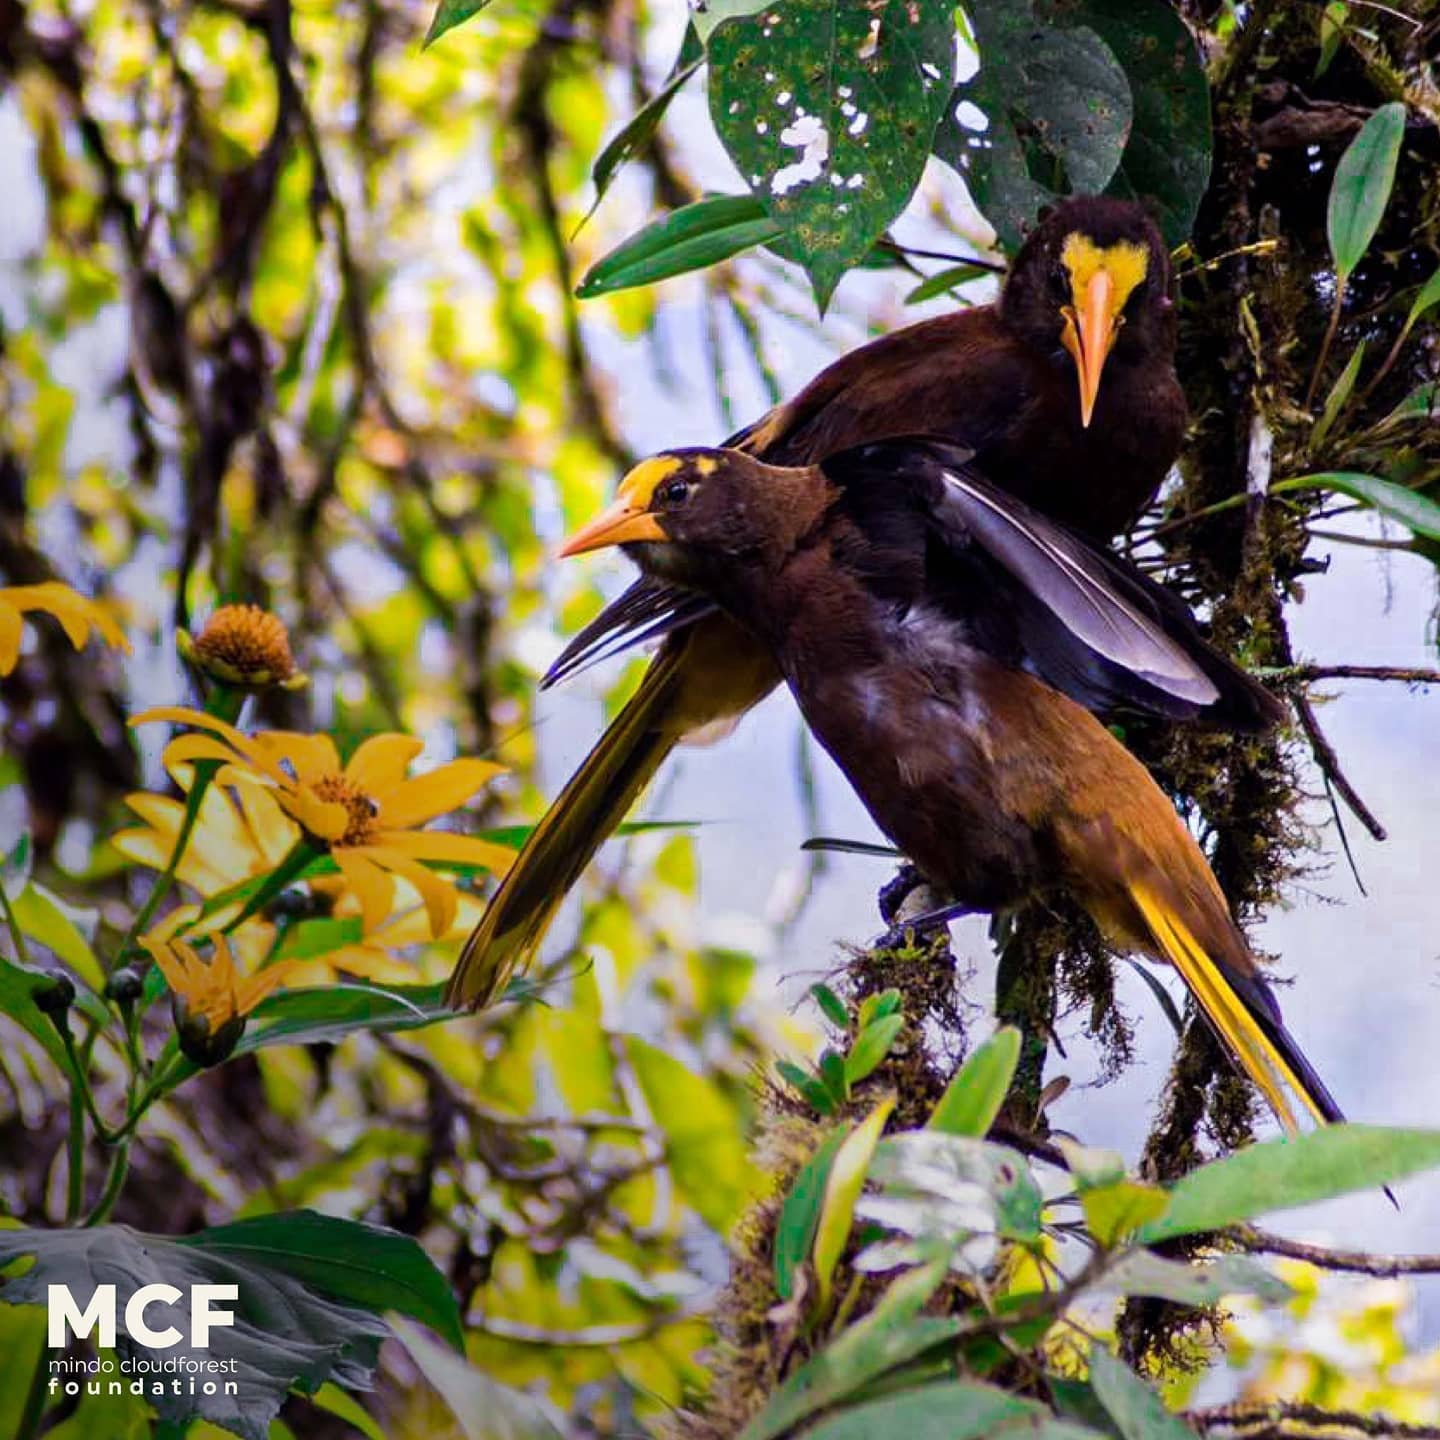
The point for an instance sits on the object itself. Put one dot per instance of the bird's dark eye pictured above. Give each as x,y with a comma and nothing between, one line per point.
674,492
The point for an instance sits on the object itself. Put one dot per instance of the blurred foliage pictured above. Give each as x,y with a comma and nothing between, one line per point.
288,317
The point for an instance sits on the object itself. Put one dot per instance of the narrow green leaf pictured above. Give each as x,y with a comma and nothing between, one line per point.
831,1005
842,1190
1286,1173
1115,1211
1135,1408
309,938
957,1410
1339,394
449,14
795,1229
976,1092
62,929
484,1408
691,238
18,984
1424,302
942,282
832,1075
638,129
1361,188
881,1342
15,866
334,1401
871,1046
1422,403
1142,1272
1334,20
1406,507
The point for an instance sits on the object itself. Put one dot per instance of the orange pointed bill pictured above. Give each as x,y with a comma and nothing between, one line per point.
1088,335
621,523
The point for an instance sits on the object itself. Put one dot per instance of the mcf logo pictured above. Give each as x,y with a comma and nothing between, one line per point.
67,1319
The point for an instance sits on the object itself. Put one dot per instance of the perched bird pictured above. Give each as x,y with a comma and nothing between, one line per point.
920,618
1065,389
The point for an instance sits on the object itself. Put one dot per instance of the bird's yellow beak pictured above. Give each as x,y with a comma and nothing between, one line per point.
629,517
1101,281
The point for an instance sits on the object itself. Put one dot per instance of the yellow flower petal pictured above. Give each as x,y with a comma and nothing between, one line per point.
271,830
414,802
11,630
443,845
244,747
251,992
325,819
374,889
77,614
438,894
307,755
381,761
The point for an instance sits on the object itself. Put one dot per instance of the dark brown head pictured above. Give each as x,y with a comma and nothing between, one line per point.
1091,287
693,515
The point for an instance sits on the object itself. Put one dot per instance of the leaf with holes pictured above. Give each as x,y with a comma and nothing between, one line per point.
1058,112
829,110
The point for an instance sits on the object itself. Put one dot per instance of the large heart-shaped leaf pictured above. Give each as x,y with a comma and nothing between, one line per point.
828,110
284,1333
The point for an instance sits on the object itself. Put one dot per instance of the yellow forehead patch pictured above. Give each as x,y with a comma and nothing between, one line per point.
1126,262
640,485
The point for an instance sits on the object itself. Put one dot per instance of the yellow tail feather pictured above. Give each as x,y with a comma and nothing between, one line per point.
1249,1044
584,815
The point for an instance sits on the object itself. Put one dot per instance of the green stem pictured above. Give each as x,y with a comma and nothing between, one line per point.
22,951
301,854
29,1425
224,703
1326,343
75,1155
114,1183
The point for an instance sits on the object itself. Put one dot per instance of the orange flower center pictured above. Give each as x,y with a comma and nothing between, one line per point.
361,809
249,642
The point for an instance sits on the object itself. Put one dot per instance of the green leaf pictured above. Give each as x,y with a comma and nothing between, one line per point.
876,1007
485,1409
1062,90
706,15
956,1410
832,1075
18,984
329,1013
1166,163
359,1264
311,938
1408,508
943,282
831,1006
1333,23
1114,1211
1192,1283
15,866
1424,302
1135,1408
704,1140
842,1189
1360,191
635,134
334,1401
64,930
811,1089
795,1229
871,1046
1422,403
449,14
977,1090
828,109
691,238
930,1163
1285,1173
1339,394
284,1334
865,1350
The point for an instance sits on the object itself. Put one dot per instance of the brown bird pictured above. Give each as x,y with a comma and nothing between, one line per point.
916,614
1019,383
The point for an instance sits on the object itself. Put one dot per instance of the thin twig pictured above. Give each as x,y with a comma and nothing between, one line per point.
1358,1262
1329,763
1300,1420
1406,674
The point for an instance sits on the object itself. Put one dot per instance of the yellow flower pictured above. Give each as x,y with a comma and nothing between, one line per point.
212,998
77,615
244,645
366,813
